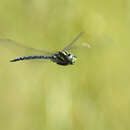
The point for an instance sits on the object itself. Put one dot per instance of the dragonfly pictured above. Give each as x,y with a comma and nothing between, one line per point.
63,57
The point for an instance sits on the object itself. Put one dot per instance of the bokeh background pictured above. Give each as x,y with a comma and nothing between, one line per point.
93,94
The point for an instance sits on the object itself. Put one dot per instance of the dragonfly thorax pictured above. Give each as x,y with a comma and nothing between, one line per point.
64,58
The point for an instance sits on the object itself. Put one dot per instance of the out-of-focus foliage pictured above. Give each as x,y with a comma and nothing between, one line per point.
93,94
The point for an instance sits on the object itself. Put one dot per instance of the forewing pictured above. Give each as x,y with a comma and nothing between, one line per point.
68,47
22,50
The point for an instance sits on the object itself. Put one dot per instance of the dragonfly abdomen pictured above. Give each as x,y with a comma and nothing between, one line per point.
30,58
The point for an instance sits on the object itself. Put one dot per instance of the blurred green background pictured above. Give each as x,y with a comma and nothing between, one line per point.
93,94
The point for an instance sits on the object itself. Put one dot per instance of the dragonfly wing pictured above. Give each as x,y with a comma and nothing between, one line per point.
21,49
68,47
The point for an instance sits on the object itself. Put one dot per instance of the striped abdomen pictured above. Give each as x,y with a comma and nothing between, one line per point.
30,58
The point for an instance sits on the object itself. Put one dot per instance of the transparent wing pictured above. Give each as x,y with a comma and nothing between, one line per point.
22,50
68,47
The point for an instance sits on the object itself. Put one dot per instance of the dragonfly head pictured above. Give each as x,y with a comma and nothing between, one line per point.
72,58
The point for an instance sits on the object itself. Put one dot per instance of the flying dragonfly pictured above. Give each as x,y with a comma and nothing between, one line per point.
62,57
